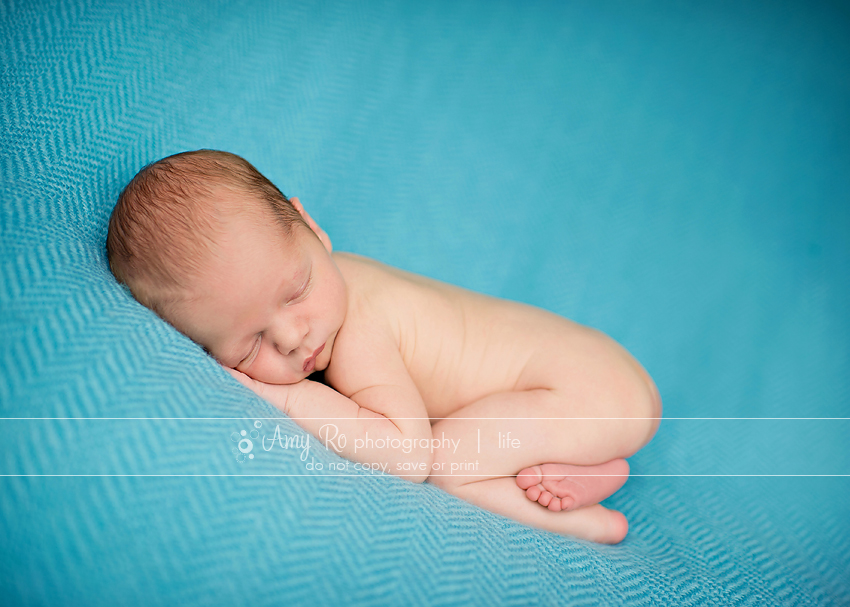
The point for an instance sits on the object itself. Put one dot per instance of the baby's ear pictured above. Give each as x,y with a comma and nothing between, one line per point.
323,236
313,225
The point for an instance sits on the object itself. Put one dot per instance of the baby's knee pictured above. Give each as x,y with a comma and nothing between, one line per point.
636,402
646,403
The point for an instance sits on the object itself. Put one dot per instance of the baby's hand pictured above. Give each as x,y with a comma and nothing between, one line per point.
280,395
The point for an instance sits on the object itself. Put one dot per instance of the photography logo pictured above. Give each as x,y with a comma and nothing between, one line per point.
245,443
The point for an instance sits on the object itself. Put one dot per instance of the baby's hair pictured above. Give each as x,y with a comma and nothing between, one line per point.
161,232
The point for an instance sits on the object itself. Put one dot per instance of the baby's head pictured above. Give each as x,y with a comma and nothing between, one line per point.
214,248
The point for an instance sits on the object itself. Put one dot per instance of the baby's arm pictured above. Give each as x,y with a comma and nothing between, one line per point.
376,399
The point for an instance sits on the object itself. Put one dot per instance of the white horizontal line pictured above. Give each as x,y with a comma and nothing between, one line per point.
392,476
463,418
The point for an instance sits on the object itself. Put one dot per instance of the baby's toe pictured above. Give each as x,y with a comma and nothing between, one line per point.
568,502
545,498
534,492
561,504
529,477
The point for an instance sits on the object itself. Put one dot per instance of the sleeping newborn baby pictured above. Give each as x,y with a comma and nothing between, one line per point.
507,406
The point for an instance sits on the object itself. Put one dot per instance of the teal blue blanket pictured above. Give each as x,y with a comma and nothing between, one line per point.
673,174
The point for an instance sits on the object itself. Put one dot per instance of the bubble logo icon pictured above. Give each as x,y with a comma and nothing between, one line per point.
244,444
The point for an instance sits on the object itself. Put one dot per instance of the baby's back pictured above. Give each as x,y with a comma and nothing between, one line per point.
457,345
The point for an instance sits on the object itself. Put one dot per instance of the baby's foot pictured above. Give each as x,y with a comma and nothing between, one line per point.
566,487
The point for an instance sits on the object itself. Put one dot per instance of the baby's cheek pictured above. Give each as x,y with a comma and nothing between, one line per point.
272,370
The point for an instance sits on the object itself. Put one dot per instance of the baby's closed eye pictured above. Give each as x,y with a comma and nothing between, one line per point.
253,353
304,290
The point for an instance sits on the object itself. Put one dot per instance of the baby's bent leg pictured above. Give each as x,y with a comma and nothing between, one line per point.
505,433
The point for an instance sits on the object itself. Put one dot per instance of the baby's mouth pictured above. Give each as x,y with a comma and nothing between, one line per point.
310,363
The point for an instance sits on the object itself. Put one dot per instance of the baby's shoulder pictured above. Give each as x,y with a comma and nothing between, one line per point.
365,278
373,289
357,268
372,326
407,298
380,294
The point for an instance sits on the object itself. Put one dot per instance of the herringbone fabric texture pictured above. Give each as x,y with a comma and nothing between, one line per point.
675,175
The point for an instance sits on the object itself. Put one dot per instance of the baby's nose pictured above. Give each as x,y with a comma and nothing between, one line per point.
289,337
